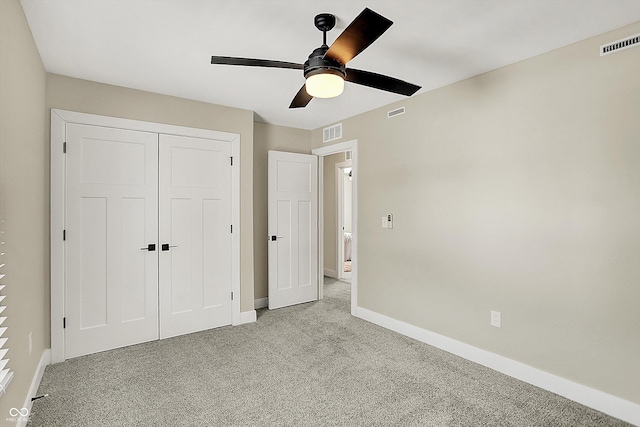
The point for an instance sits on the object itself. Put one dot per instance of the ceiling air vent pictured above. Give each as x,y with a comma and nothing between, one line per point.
332,133
395,112
619,45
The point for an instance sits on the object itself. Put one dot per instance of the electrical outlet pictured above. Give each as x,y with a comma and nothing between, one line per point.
30,342
496,319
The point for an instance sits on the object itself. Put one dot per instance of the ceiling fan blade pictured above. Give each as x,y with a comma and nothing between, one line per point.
363,31
378,81
301,99
228,60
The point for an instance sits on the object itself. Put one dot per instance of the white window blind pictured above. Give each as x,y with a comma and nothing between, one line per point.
6,375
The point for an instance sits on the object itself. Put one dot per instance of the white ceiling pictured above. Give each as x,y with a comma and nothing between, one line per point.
165,46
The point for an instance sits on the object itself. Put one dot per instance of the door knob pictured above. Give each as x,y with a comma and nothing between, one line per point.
166,246
150,247
274,238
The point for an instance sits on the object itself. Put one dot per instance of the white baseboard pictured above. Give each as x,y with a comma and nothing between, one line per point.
45,360
330,273
596,399
248,317
261,303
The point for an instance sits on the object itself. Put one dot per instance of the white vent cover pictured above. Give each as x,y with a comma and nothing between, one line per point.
619,45
332,133
395,112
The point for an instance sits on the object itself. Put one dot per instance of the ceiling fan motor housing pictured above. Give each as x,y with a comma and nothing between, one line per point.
318,64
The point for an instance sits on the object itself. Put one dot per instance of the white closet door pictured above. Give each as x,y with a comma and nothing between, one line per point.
111,217
195,227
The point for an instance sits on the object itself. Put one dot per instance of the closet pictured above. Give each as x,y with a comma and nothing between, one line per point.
148,236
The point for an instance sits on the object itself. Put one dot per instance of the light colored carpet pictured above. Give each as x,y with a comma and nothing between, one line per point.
308,365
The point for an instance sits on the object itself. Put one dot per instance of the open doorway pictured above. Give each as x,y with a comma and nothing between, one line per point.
344,228
332,261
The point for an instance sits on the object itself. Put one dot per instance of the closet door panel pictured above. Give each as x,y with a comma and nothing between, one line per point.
111,215
214,213
195,226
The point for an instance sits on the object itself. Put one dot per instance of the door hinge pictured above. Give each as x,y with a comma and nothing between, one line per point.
231,296
64,235
231,160
64,323
64,147
231,228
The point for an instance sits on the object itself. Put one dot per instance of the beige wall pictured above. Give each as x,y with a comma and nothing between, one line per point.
516,191
84,96
278,138
24,190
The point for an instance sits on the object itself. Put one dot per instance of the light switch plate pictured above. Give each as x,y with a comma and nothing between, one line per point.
496,319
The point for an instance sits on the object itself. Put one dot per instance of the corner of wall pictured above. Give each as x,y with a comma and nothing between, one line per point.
23,124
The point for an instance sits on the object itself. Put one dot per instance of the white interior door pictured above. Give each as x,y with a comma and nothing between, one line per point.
195,226
293,228
111,217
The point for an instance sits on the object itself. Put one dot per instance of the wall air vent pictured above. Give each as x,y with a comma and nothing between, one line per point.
395,112
332,133
619,45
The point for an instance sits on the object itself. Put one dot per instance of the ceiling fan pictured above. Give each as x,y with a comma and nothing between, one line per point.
325,70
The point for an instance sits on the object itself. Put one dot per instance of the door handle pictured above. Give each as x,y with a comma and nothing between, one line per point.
274,238
150,247
166,246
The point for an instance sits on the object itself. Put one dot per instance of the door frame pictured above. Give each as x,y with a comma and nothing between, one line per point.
59,119
321,152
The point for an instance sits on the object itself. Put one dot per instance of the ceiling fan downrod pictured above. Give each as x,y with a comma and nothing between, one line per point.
324,22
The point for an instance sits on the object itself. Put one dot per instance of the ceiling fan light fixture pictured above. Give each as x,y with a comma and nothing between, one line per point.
324,84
